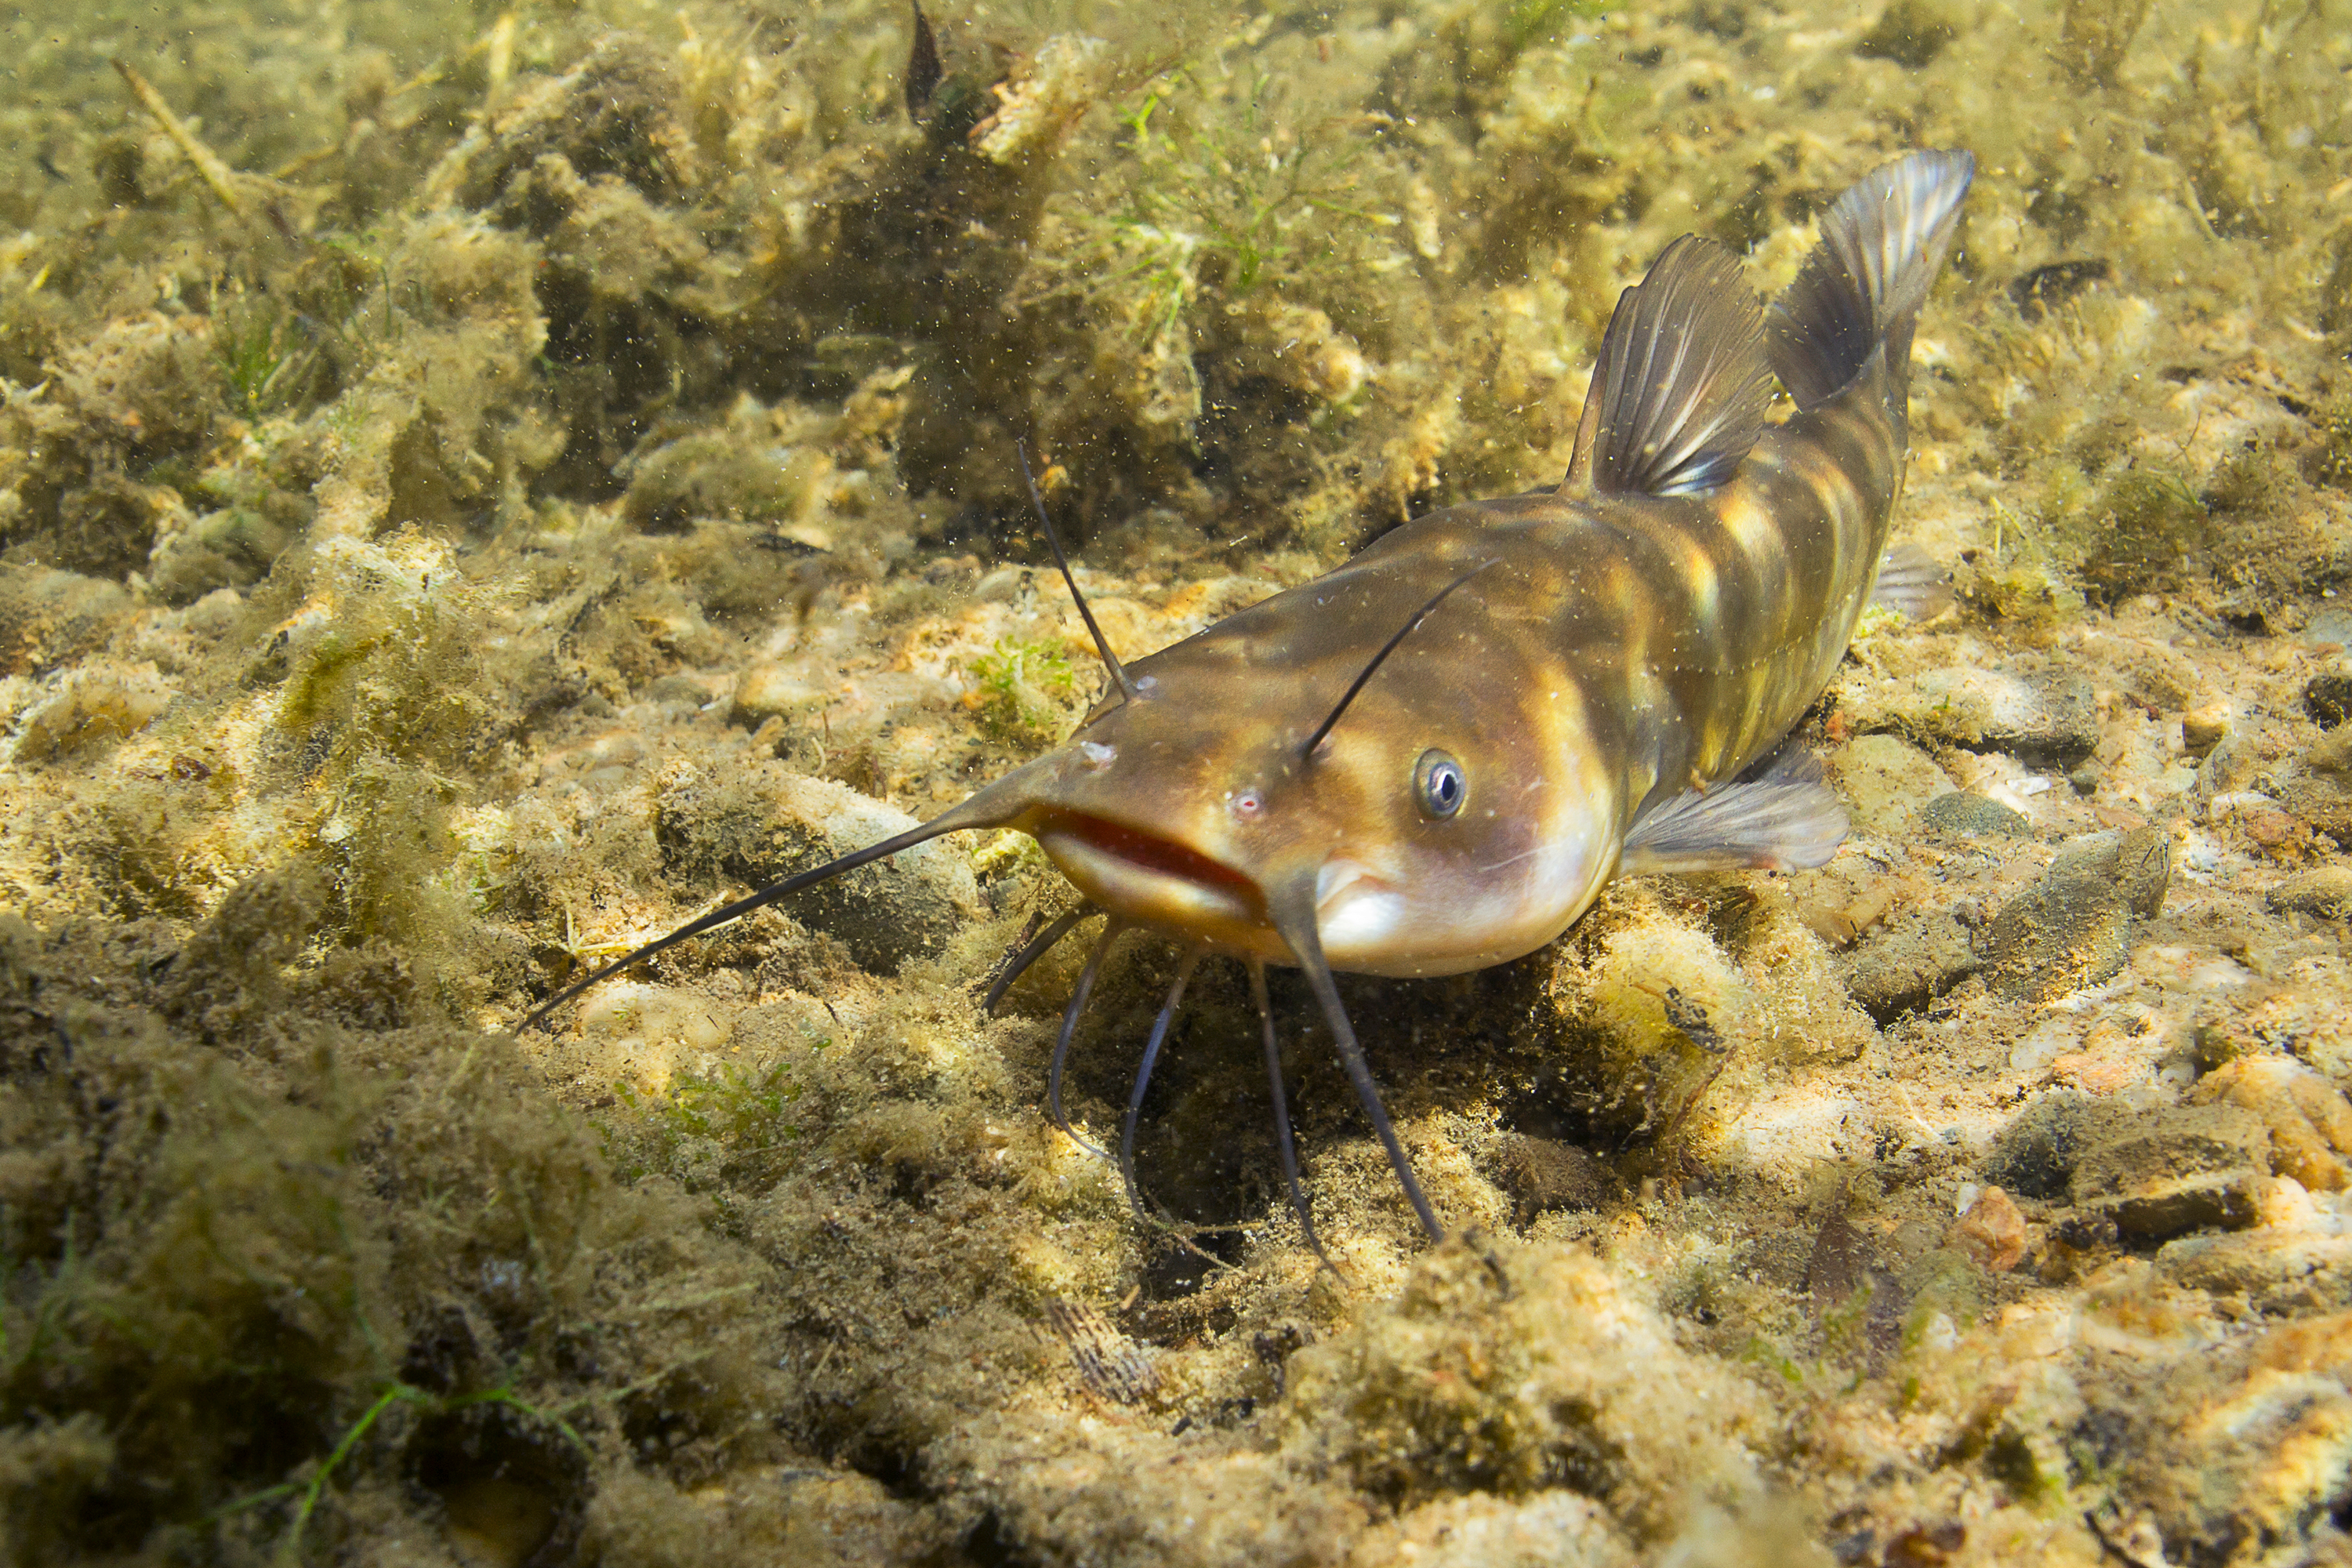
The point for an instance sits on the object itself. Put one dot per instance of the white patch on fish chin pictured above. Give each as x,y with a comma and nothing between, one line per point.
1475,916
1354,910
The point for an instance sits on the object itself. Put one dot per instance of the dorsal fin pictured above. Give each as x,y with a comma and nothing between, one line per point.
1882,244
1679,392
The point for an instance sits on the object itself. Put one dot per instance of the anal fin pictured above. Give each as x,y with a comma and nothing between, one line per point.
1787,818
1912,583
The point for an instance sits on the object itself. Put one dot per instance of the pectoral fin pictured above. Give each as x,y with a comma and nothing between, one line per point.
1912,583
1788,820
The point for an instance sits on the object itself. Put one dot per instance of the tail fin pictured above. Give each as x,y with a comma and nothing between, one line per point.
1882,244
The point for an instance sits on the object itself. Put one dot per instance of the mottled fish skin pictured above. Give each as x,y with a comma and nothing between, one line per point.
1622,648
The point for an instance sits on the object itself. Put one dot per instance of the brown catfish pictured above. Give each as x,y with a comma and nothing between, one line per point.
1432,759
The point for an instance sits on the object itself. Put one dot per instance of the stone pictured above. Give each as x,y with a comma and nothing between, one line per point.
48,618
2274,1273
2325,892
2271,829
2322,800
2050,719
2331,754
2186,1168
2327,696
2050,940
2230,764
1479,1529
2074,927
2036,1153
2136,864
1960,812
2202,729
761,823
99,702
1884,780
1992,1232
2310,1123
1542,1175
1913,960
766,690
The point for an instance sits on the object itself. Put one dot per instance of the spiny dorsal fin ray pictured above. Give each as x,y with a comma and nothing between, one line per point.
1779,816
1882,244
1679,392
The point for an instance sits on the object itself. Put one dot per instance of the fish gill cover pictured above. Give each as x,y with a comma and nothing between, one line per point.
478,488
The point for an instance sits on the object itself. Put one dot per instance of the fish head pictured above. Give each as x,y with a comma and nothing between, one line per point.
1433,830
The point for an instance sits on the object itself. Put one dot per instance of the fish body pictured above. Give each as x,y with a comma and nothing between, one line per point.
1631,643
1433,758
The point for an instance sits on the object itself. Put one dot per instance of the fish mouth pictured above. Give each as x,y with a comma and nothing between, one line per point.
1141,876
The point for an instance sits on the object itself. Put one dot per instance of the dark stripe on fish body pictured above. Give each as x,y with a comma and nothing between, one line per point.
1704,627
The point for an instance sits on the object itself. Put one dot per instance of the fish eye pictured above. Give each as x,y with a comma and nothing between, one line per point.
1438,784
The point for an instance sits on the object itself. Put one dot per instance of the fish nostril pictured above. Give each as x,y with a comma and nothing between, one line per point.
1246,804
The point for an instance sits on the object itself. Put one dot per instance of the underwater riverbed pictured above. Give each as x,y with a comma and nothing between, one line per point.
480,487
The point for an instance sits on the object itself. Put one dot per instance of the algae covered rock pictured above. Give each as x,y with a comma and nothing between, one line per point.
47,616
2310,1122
2036,1153
97,703
1542,1175
1884,779
765,823
2170,1170
1658,1007
2045,717
1913,960
1552,1378
2327,698
2326,891
2074,927
1961,812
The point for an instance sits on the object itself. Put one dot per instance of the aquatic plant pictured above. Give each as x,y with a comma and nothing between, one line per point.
1022,690
730,1133
1240,196
268,355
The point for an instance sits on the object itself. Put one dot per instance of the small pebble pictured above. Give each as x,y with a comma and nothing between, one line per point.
1960,812
2187,1168
1992,1231
2325,892
2202,730
2327,698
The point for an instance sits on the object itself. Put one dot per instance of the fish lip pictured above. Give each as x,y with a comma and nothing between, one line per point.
1145,876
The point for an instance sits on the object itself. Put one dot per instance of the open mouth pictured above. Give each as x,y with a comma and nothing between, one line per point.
1143,876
